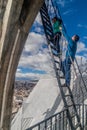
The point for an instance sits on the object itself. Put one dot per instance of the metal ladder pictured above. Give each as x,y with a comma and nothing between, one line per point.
49,35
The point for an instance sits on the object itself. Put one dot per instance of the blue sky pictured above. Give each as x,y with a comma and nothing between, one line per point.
36,61
74,15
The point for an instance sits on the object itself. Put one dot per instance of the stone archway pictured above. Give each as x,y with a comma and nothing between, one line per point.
17,18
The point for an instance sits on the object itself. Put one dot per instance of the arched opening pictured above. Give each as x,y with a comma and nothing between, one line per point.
12,40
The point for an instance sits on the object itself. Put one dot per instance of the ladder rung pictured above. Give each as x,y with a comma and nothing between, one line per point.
44,11
64,86
44,8
54,48
51,40
68,95
49,36
44,16
57,55
53,45
62,77
48,28
48,31
58,68
78,125
45,19
48,21
57,62
70,105
73,115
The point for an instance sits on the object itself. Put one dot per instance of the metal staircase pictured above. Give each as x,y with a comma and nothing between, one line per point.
49,35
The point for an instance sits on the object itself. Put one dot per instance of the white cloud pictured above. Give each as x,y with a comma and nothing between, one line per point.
63,2
28,75
81,59
38,29
19,70
82,26
79,25
35,56
85,55
38,59
81,47
85,37
41,61
69,12
38,19
32,76
34,42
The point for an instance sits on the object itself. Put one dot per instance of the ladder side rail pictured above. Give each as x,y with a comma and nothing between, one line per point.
57,76
59,82
80,74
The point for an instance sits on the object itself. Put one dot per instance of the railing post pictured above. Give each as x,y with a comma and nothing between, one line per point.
39,127
59,121
55,122
45,124
83,113
51,124
85,117
63,120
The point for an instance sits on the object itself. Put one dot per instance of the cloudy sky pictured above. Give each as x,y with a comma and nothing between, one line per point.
35,60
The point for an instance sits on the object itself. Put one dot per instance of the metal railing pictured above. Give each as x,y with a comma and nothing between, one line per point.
59,121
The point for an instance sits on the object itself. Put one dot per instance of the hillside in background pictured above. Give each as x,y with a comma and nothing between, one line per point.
22,90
